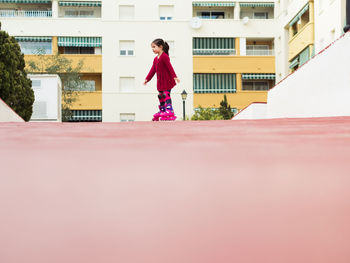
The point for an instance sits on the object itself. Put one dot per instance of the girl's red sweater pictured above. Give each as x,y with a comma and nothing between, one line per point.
165,73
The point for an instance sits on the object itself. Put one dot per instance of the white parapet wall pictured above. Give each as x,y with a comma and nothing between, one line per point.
256,110
320,88
48,92
7,114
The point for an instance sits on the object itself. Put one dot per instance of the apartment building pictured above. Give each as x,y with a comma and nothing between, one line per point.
237,48
306,28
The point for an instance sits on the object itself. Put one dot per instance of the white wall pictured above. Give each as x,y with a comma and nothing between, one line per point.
329,23
47,104
7,114
319,88
253,111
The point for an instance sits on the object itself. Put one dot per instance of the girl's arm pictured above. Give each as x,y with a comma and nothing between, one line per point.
151,73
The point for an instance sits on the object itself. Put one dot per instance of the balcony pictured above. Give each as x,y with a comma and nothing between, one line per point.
214,52
301,40
257,10
25,13
237,64
210,10
263,52
92,63
86,100
80,9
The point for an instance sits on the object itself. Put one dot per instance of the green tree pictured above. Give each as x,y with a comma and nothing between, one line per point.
15,87
225,109
70,76
202,114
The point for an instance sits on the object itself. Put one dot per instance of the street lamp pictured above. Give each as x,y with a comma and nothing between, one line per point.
184,97
347,27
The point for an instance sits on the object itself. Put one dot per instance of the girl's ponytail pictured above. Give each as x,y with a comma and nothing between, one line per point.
166,48
160,42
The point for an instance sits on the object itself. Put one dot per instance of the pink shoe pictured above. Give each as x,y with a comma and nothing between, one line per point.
157,115
168,114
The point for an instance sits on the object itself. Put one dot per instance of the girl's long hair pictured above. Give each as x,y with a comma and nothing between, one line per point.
160,42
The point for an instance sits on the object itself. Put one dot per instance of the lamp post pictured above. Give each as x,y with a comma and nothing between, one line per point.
184,97
347,27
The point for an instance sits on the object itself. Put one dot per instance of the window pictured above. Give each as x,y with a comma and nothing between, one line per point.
214,83
78,50
126,48
166,12
36,84
79,13
126,12
88,85
127,84
127,117
261,15
211,15
30,48
214,46
255,85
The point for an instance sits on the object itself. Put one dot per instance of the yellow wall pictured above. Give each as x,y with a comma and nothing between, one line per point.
305,35
54,45
92,63
88,101
237,100
237,46
234,64
301,40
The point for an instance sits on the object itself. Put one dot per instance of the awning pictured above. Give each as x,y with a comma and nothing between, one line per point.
298,16
294,63
207,4
304,56
214,83
258,76
26,1
79,41
80,3
257,4
86,115
213,43
34,39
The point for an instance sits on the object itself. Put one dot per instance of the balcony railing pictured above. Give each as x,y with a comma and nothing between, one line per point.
25,13
263,52
214,52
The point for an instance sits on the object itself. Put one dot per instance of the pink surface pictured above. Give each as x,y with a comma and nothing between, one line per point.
274,191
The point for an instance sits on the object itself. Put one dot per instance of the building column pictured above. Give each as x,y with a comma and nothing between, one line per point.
54,8
243,46
347,26
312,11
54,45
237,11
238,82
237,46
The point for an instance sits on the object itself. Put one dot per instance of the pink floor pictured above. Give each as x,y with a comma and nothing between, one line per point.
269,191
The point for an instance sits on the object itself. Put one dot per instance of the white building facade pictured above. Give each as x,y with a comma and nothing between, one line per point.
125,29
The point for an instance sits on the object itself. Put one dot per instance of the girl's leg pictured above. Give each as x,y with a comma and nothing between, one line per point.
161,97
169,112
161,106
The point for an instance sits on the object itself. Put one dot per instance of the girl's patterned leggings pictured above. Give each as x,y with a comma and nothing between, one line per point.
164,98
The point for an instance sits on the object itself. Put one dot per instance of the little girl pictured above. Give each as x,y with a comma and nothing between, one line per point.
166,79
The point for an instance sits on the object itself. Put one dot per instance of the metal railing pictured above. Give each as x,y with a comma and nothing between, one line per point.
25,13
262,52
214,52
